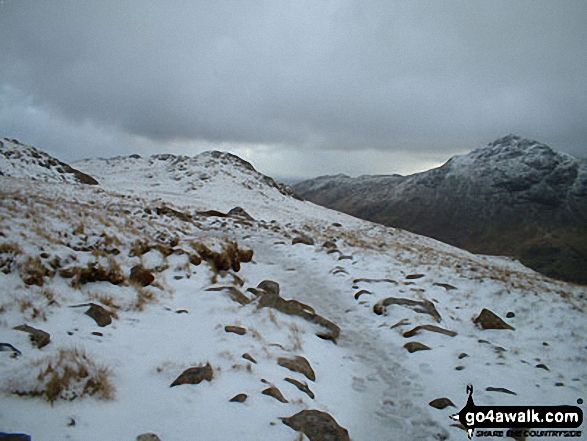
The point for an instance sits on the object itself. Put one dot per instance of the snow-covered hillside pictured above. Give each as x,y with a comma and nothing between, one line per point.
181,278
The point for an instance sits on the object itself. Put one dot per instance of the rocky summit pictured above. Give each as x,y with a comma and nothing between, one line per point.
513,197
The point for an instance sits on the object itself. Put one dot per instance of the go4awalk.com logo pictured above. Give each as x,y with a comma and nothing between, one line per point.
520,421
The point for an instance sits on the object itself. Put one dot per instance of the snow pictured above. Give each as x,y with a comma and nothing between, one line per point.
367,381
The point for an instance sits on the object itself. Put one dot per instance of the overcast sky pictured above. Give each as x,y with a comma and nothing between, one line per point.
300,88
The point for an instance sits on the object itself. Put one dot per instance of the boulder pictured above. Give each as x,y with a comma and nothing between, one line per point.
38,337
141,276
272,391
100,315
298,364
489,320
415,346
194,375
317,426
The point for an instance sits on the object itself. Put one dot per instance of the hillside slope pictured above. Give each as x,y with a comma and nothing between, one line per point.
513,197
237,298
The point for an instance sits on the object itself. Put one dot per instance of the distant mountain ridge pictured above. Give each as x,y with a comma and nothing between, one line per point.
514,197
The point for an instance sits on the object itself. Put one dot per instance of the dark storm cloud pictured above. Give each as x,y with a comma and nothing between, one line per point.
384,75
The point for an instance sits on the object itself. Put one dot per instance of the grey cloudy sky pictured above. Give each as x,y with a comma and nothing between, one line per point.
299,88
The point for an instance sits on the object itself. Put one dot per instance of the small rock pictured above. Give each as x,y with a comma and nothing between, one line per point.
240,212
441,403
100,315
301,386
194,375
542,366
500,389
510,314
141,276
361,292
240,398
317,426
269,286
414,276
305,240
559,384
415,346
235,330
459,368
97,334
272,391
489,320
148,437
431,328
181,311
463,355
246,356
38,338
446,286
298,364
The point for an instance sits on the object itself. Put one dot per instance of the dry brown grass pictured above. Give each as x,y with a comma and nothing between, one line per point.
68,375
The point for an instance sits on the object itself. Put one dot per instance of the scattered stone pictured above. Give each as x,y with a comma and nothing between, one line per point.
415,346
459,368
542,366
559,384
329,244
148,437
337,225
510,314
240,212
100,315
7,347
430,328
246,356
344,257
181,311
441,403
446,286
375,281
240,398
421,306
301,386
303,239
414,276
489,320
235,330
317,426
195,375
272,391
298,364
97,334
141,276
500,389
38,338
463,355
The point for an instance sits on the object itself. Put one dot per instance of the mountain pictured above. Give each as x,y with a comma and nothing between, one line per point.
514,197
18,160
204,303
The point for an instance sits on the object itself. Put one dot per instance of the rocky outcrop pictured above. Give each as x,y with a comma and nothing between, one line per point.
489,320
38,338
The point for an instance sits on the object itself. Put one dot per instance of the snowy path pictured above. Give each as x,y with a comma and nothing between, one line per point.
381,388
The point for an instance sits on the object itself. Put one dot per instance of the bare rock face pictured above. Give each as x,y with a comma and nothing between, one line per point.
39,338
489,320
317,426
194,375
298,364
99,314
141,276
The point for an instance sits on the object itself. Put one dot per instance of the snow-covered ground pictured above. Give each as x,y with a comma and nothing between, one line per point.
152,212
